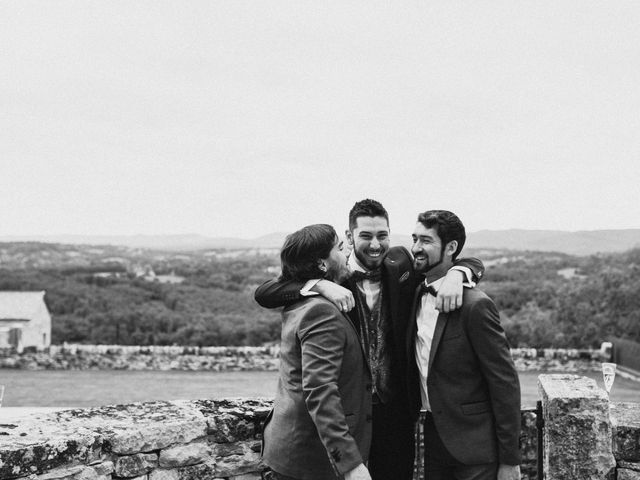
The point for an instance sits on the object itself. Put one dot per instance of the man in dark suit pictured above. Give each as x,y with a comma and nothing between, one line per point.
462,375
382,289
320,426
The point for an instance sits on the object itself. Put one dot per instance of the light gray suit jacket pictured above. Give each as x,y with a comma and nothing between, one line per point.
320,426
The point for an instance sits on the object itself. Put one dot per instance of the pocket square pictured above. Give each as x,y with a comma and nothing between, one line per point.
404,276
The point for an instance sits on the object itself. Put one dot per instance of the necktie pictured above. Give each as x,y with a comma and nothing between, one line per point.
373,275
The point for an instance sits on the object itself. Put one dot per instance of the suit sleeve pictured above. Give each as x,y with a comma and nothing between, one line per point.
492,349
474,264
278,293
323,339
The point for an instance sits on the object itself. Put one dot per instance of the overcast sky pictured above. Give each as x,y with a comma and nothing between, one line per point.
238,118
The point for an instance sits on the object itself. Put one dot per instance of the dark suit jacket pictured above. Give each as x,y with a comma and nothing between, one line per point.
399,283
472,383
321,420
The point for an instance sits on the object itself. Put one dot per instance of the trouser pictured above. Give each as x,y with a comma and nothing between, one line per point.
439,464
392,443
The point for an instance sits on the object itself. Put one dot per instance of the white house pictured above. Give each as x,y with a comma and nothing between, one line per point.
24,320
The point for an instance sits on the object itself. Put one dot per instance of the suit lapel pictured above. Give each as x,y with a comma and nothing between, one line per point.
437,336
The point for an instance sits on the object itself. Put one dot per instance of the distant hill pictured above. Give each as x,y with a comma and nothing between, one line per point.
574,243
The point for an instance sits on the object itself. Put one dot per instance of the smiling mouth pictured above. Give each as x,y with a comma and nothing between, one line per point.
374,254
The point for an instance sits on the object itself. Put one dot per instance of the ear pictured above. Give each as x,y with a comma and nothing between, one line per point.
349,237
451,248
322,265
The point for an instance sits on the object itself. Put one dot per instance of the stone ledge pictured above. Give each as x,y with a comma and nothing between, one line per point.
66,438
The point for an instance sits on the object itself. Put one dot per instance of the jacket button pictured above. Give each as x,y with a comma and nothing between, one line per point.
369,418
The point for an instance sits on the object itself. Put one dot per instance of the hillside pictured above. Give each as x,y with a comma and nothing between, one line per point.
574,243
114,294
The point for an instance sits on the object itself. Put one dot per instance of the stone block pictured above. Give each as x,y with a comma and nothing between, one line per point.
39,444
134,465
629,465
235,465
624,474
577,431
247,476
184,455
162,474
203,471
625,420
226,449
78,472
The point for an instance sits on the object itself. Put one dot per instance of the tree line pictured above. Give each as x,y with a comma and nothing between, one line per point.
214,305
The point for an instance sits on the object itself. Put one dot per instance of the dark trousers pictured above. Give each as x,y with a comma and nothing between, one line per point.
440,465
392,443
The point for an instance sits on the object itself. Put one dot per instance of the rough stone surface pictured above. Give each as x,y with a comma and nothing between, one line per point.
629,465
184,455
247,476
160,474
577,434
625,420
203,471
624,474
134,465
239,464
40,444
231,421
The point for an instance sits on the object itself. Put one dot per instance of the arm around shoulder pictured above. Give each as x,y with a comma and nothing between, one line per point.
278,293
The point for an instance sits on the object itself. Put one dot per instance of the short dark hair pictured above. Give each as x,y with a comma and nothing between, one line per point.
366,208
302,249
448,226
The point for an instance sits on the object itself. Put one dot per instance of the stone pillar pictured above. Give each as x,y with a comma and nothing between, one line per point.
625,419
577,429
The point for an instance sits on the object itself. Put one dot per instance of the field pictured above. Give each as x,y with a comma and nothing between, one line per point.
92,388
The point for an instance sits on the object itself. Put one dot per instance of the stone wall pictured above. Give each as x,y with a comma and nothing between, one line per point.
182,440
585,436
133,357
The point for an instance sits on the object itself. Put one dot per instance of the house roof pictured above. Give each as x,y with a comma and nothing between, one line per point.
20,305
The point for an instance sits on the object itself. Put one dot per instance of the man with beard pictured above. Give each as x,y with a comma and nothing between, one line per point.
382,289
461,374
320,426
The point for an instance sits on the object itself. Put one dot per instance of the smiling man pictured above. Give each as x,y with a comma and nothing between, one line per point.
462,376
382,289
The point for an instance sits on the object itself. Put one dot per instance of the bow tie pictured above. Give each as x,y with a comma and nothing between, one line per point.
428,289
372,275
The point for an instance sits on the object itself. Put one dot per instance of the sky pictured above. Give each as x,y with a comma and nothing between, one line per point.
241,118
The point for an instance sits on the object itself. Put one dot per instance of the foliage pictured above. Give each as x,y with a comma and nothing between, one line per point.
102,296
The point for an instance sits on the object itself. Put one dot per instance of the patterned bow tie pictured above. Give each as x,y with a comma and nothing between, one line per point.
372,275
428,289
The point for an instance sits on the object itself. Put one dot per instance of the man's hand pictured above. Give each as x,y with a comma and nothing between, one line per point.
508,472
358,473
341,297
450,292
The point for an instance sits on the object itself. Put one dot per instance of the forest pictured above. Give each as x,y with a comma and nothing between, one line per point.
107,295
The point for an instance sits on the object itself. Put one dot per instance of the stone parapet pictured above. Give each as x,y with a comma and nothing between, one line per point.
577,429
193,358
625,420
201,439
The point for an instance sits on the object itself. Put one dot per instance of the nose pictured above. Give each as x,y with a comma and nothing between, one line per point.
415,248
375,243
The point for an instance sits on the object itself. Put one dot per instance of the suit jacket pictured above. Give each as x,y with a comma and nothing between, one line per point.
472,382
399,282
320,426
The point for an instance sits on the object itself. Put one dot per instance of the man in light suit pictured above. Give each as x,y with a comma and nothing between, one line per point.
462,375
382,289
320,426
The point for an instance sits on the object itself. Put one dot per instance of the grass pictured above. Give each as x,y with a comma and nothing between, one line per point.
51,388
